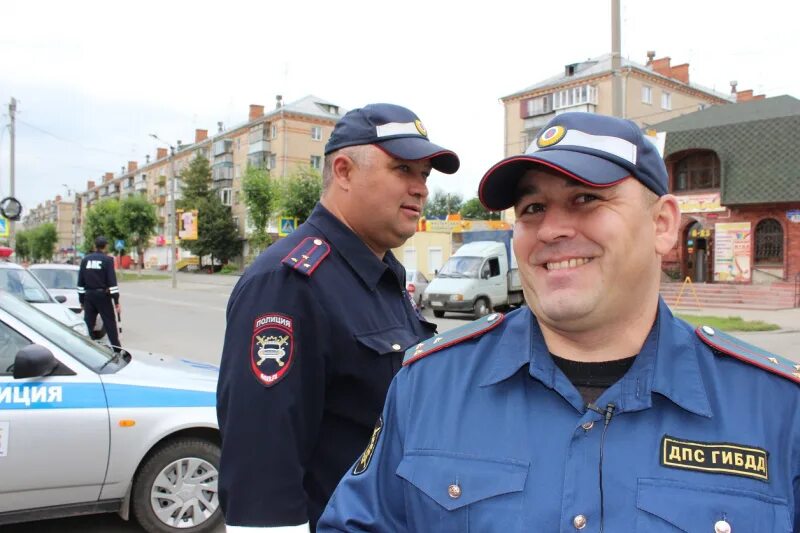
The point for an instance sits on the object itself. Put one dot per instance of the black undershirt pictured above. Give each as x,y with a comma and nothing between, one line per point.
591,379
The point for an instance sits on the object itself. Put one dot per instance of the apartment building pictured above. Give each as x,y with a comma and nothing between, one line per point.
651,93
58,212
281,140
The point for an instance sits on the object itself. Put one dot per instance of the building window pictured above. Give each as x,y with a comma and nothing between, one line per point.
540,105
647,94
697,171
769,242
274,131
666,100
584,94
225,195
271,163
316,162
316,133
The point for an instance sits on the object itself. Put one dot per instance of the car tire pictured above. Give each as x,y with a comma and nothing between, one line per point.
163,498
482,307
438,314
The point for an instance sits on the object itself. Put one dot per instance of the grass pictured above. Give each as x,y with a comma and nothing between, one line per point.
731,323
130,275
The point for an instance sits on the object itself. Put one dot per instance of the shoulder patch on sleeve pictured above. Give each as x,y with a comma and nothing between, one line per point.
453,336
307,256
730,345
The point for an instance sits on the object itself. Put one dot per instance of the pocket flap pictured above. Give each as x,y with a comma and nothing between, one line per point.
391,340
477,477
697,507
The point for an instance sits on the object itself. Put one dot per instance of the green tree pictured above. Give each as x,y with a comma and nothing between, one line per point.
103,219
43,240
217,234
441,204
259,197
196,179
22,245
137,220
299,193
473,210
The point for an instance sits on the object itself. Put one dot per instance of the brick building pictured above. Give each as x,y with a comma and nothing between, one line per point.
736,171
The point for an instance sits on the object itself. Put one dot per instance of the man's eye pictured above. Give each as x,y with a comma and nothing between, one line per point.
404,168
586,198
533,208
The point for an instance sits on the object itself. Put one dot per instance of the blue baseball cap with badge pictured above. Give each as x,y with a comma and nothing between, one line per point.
394,129
597,150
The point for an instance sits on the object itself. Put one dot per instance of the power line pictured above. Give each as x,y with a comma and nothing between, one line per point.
62,139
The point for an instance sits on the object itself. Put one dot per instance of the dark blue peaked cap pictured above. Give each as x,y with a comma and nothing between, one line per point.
394,129
597,150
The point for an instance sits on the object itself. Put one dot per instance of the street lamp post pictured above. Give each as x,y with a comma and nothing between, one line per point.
171,221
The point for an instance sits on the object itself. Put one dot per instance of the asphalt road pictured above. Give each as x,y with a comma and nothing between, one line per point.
189,322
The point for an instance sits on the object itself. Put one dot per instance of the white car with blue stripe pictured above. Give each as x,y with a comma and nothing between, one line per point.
85,431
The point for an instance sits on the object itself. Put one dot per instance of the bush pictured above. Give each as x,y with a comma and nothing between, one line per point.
229,269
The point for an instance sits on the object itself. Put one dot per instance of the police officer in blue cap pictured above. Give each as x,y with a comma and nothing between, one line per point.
593,409
318,325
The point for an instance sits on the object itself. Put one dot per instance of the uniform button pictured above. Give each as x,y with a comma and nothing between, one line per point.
722,527
395,347
454,491
709,330
587,425
317,242
579,521
492,317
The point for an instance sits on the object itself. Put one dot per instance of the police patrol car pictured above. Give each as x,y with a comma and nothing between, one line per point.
83,430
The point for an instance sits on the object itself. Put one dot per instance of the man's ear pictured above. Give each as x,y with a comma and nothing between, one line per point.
342,170
667,220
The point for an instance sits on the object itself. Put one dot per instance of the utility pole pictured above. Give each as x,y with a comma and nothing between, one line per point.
12,110
171,219
616,61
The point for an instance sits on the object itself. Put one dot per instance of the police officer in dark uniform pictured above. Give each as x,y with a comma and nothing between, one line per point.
317,326
97,288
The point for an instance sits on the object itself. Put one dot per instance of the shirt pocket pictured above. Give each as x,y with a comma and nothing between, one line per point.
668,505
451,492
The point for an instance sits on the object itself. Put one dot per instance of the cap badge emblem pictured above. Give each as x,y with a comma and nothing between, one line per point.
551,136
421,128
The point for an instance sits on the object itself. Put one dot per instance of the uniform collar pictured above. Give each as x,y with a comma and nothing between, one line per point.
667,363
352,249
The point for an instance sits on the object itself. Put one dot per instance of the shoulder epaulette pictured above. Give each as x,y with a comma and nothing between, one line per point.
730,345
451,337
307,256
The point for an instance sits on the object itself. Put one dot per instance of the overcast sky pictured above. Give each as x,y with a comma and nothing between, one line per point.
93,79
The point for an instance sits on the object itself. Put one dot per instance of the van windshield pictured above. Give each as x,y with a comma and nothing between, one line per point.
461,267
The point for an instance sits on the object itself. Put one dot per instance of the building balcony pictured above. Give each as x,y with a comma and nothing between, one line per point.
258,146
141,185
224,159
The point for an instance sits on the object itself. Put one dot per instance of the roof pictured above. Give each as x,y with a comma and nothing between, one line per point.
756,142
312,106
601,65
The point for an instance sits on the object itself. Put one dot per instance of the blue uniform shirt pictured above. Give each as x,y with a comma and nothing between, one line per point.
316,329
489,435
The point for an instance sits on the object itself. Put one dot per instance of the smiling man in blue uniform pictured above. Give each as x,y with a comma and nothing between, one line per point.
317,326
594,408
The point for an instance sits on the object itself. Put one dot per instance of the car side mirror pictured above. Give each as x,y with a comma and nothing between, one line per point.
35,361
61,298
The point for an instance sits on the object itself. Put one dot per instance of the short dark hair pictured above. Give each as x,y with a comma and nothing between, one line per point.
100,242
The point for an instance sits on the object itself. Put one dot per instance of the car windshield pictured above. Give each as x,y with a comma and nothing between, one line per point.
81,348
460,267
57,278
24,285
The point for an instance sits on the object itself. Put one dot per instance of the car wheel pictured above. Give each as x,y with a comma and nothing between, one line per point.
175,489
482,307
438,314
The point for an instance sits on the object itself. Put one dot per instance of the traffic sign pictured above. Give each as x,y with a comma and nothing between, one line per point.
119,244
286,225
3,226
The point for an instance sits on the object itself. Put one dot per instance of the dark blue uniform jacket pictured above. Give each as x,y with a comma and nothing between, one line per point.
314,336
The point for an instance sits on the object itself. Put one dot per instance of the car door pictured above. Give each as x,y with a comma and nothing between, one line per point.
494,282
54,430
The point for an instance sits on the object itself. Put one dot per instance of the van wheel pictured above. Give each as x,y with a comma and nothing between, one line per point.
482,307
176,488
438,314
